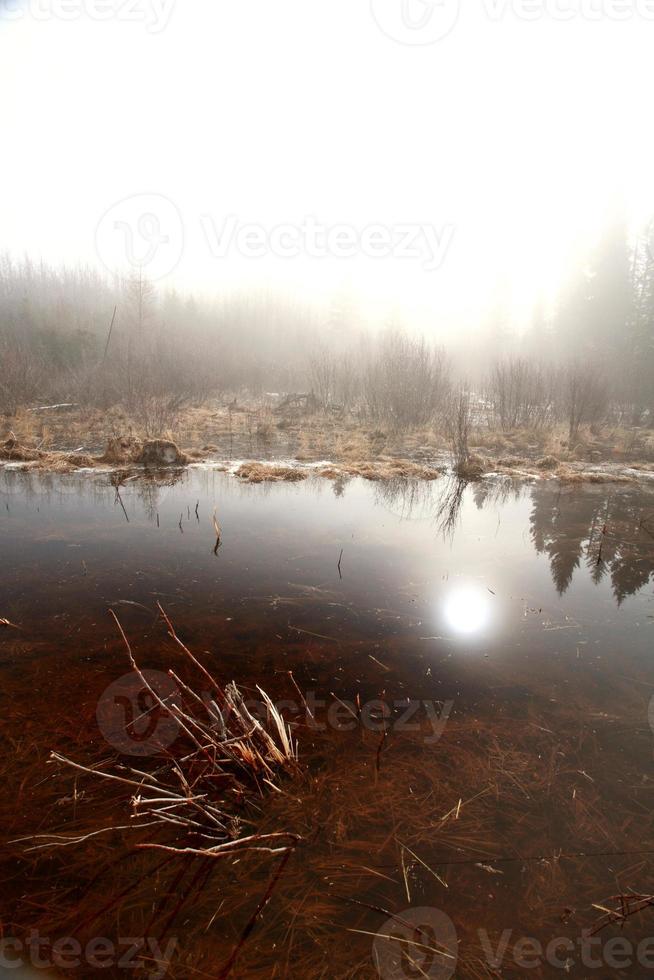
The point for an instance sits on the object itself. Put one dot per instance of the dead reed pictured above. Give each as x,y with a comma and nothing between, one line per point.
223,754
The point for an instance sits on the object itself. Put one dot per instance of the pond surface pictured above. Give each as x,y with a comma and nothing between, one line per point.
477,760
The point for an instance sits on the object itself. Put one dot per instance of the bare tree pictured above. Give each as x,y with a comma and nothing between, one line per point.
584,398
22,374
322,375
347,382
519,394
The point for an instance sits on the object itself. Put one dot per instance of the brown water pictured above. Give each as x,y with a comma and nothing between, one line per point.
507,630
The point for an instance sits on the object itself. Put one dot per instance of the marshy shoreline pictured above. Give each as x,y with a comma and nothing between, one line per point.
258,445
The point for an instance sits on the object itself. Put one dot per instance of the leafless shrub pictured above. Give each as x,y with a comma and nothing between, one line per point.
21,375
584,398
265,424
519,395
347,383
157,379
322,375
156,414
405,381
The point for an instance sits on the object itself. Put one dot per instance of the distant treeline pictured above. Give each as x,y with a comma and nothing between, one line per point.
72,335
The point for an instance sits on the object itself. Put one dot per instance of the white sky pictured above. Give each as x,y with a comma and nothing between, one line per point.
515,133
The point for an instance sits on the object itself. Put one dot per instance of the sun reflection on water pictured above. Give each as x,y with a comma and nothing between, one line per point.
467,609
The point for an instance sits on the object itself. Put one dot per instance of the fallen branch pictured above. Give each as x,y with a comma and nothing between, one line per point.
628,905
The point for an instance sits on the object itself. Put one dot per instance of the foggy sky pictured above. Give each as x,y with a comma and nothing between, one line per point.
233,123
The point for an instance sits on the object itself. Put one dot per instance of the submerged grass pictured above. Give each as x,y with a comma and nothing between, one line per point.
476,815
498,808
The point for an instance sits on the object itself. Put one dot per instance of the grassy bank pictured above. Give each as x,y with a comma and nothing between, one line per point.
334,444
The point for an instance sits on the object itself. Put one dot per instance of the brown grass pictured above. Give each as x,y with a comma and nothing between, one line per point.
121,450
59,462
254,472
472,468
352,447
382,469
443,806
566,474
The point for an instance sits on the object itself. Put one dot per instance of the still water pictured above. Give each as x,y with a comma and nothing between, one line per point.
477,754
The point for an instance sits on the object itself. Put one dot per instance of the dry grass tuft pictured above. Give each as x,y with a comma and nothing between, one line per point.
472,468
41,459
382,469
11,450
222,756
254,472
122,449
568,475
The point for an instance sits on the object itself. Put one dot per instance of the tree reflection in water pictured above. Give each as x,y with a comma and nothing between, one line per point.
608,530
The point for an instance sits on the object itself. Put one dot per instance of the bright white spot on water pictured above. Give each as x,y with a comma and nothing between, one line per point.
467,609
